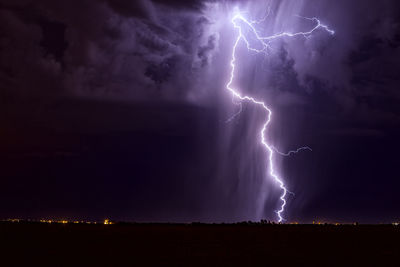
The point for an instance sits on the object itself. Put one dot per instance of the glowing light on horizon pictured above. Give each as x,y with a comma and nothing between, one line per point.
238,22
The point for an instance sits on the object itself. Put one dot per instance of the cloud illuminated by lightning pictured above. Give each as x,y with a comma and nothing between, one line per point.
239,22
291,152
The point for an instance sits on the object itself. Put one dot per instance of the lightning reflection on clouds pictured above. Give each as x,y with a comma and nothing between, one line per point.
242,25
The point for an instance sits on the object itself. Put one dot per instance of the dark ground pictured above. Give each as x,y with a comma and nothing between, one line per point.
34,244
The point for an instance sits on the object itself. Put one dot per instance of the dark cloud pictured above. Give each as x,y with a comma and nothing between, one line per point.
102,48
141,8
191,4
24,61
204,51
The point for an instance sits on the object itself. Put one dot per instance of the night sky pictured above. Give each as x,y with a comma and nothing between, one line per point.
118,109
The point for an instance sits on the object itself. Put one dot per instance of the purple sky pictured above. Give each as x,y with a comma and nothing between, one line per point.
118,109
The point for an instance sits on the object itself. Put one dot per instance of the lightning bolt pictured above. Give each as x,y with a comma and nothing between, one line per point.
239,22
291,152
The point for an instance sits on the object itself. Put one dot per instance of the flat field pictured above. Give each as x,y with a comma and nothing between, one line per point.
42,244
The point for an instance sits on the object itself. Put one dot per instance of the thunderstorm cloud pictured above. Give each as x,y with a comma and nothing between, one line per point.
156,71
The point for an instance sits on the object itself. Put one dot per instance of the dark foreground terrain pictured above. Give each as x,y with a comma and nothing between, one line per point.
40,244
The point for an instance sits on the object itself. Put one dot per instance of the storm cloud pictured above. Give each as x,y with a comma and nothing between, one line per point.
96,73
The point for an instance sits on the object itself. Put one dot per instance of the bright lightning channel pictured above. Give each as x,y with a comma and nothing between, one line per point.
237,21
